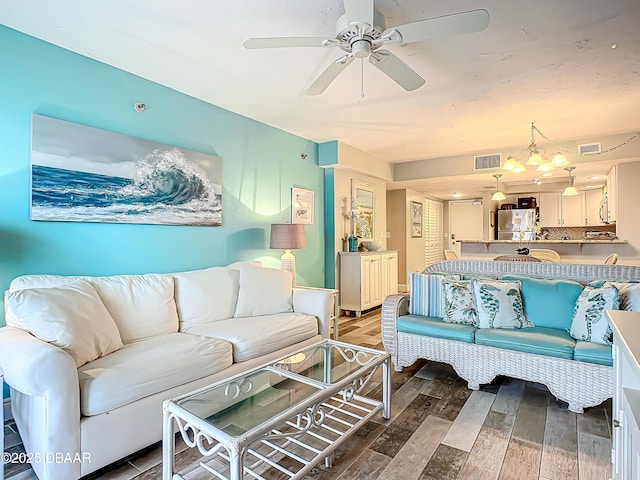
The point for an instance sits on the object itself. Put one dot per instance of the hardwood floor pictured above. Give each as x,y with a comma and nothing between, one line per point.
439,430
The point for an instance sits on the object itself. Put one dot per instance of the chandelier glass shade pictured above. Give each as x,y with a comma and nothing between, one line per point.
570,191
498,195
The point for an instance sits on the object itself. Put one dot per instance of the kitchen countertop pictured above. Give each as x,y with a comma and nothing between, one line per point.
533,242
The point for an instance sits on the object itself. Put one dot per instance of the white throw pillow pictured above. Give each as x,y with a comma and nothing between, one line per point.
142,306
499,304
459,306
263,291
588,322
204,296
629,295
71,317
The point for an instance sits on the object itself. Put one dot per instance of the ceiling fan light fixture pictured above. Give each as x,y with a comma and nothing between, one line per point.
361,48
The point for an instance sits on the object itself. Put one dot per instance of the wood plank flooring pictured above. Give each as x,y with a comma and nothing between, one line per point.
439,430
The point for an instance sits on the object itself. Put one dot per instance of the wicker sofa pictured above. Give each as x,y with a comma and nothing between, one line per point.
581,383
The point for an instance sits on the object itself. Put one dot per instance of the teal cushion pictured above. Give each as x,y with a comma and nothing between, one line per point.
435,327
548,303
540,340
593,353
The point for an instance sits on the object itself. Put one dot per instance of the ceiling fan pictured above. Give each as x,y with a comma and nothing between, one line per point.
361,32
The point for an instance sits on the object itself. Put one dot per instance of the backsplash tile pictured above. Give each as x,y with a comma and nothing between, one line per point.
575,233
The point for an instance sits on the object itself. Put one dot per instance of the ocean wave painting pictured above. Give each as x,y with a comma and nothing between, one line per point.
84,174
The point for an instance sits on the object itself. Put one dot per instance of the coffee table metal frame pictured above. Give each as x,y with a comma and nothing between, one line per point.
316,425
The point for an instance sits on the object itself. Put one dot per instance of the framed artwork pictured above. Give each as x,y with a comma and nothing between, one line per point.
416,219
363,202
301,206
85,174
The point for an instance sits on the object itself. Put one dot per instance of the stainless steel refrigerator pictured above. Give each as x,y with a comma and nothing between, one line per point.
516,224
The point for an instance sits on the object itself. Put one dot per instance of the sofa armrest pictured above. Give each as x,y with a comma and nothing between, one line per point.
318,302
394,306
46,407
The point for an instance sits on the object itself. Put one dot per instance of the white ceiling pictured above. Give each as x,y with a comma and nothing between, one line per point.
548,62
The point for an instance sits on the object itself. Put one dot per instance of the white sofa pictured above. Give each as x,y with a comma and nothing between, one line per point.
85,393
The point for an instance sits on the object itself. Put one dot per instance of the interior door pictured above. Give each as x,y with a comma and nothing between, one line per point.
465,223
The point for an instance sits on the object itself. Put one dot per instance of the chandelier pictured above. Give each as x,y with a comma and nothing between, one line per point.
535,157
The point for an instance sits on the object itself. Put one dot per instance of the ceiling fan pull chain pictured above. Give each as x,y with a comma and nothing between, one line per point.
362,78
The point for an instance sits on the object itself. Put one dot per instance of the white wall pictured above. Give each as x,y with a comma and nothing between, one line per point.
628,223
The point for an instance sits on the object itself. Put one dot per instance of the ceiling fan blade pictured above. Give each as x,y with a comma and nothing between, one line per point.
396,70
329,75
283,42
446,25
359,12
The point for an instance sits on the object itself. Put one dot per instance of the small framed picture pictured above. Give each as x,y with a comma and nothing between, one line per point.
301,206
416,219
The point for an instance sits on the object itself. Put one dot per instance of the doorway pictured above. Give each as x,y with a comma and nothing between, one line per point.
465,223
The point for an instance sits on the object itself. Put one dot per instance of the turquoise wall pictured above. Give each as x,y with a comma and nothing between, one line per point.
260,165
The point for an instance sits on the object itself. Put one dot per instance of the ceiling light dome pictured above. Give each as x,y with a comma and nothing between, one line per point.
570,191
498,195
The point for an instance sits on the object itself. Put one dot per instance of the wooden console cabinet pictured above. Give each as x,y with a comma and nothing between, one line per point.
625,452
366,279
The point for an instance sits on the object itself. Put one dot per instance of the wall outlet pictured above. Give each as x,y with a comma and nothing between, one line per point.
388,234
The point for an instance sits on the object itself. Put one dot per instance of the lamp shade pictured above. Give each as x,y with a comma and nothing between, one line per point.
287,236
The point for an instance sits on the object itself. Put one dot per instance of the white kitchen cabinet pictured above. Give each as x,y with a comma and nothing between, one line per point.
366,278
625,451
592,204
559,211
612,194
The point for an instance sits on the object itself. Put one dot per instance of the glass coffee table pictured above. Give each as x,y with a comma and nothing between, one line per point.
282,418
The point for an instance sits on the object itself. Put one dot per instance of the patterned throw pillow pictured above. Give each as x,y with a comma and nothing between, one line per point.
459,306
629,295
588,322
499,304
426,293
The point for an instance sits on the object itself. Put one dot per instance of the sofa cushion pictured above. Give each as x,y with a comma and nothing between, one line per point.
71,317
263,291
141,305
548,303
459,306
426,293
629,295
539,340
435,327
147,367
499,304
206,295
593,353
252,337
588,322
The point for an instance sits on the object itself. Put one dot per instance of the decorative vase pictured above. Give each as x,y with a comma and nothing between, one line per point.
353,244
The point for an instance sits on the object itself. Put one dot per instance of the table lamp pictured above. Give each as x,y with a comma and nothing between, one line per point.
288,236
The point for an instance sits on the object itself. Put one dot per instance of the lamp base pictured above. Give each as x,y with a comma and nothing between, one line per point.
288,263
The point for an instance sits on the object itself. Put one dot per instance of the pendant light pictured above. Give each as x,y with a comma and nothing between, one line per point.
570,191
498,195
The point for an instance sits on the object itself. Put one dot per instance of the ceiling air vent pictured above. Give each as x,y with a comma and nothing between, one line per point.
589,148
487,162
